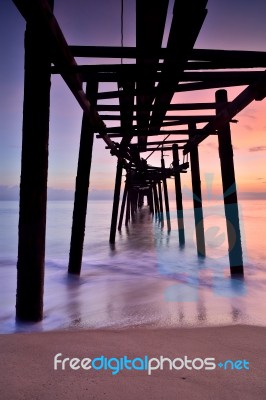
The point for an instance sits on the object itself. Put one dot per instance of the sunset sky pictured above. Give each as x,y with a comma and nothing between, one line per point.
237,25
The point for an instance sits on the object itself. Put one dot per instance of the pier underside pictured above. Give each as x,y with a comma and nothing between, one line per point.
149,120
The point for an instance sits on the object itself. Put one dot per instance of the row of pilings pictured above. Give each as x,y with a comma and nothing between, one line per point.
33,185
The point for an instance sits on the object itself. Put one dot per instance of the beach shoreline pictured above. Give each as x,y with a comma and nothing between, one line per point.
27,368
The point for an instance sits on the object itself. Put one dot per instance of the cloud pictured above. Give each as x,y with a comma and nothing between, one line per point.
248,128
258,148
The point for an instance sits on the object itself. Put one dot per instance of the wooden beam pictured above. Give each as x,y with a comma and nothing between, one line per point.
33,179
155,133
148,14
171,107
40,12
187,20
229,192
125,72
177,118
189,87
166,142
135,71
169,148
178,196
166,198
228,55
82,187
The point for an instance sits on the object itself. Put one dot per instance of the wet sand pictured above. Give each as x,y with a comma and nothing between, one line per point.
27,364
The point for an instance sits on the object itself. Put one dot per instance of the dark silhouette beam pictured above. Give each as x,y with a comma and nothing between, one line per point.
34,172
229,191
82,186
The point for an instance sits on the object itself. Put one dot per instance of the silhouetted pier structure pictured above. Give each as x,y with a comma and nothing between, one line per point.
145,89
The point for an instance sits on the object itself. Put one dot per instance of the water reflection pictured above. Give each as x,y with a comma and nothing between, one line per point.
143,279
201,311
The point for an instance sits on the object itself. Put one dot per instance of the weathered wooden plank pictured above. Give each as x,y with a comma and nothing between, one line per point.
162,148
229,192
148,14
171,107
211,55
125,72
178,118
155,133
185,87
178,195
116,200
33,179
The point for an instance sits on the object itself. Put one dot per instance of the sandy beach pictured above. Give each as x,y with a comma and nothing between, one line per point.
27,364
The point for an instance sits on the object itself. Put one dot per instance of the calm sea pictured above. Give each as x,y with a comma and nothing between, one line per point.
146,279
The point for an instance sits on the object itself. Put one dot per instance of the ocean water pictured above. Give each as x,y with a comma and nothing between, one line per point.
146,278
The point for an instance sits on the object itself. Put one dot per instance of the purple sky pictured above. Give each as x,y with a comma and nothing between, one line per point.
230,24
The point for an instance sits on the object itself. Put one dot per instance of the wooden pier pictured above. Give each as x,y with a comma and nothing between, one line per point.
145,91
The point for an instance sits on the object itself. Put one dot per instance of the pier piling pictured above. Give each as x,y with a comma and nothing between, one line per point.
229,191
166,198
178,196
119,170
197,197
82,186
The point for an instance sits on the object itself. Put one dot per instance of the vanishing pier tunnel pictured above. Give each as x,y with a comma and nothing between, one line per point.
145,92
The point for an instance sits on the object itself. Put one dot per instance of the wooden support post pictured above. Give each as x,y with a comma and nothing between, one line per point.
156,200
34,170
178,196
229,191
151,204
166,199
135,201
197,198
123,206
132,204
119,170
82,186
128,205
160,201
